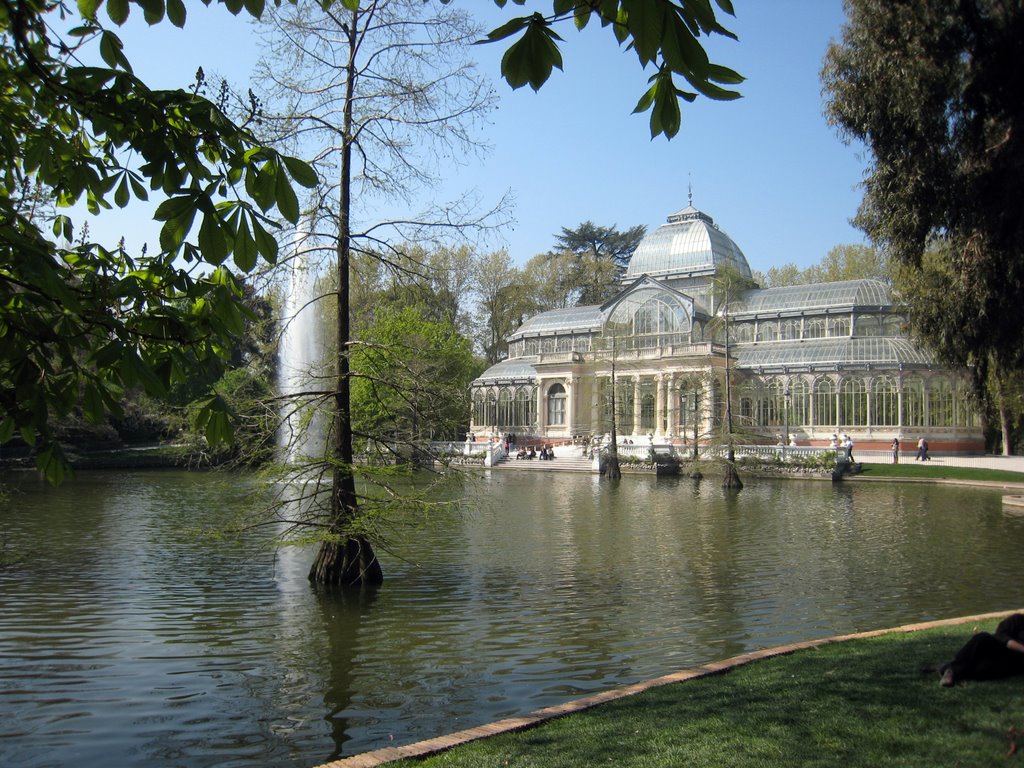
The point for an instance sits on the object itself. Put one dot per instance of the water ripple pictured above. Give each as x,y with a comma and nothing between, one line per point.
122,632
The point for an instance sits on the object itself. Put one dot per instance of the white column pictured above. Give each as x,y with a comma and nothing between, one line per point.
542,411
673,419
570,405
636,405
659,404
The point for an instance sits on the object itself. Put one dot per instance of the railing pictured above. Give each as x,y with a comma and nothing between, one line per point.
642,450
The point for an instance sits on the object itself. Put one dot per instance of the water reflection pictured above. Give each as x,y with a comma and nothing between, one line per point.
125,632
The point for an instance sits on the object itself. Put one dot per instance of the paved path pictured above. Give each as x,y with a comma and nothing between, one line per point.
571,458
1008,463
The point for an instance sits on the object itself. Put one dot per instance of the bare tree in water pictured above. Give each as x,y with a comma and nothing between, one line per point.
381,99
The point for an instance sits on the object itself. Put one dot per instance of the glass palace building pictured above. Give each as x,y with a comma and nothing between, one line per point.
805,361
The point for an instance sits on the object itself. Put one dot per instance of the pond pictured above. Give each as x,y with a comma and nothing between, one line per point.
127,637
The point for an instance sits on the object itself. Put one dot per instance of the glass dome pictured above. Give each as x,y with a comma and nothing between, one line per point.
688,243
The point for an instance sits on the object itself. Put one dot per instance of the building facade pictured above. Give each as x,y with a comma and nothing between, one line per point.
804,362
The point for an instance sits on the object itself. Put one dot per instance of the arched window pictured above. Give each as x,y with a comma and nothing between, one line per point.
479,407
767,330
690,403
531,346
505,417
868,325
750,403
556,405
913,403
774,404
789,329
624,394
892,325
649,318
824,395
814,329
838,326
747,409
884,402
526,407
941,404
647,395
491,417
564,344
799,403
853,403
547,345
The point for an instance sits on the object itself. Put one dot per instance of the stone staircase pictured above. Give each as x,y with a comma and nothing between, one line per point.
567,459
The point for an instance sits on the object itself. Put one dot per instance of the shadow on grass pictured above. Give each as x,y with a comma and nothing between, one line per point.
858,703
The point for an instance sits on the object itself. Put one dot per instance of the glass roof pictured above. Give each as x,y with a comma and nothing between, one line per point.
816,296
515,368
858,351
577,319
689,242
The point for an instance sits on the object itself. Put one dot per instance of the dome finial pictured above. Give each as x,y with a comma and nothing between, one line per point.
689,196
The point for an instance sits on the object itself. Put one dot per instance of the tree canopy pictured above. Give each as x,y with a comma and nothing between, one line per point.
411,380
598,242
842,262
933,88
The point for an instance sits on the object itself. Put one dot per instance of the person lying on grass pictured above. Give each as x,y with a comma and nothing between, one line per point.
989,656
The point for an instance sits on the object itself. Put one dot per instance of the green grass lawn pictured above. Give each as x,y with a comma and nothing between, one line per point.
936,472
862,703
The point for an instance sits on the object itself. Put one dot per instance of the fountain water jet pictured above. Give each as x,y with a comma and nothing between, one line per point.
300,359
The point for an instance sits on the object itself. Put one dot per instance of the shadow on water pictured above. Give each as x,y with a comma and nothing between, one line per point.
342,613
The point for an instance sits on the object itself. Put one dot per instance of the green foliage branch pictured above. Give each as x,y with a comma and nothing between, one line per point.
81,322
664,35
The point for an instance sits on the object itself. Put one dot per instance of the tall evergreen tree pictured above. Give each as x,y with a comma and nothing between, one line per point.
932,88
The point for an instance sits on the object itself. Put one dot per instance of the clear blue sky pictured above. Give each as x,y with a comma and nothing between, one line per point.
767,168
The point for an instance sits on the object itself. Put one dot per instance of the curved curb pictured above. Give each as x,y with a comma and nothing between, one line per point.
440,743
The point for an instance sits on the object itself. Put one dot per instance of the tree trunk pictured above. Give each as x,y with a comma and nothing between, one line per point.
352,562
1004,423
1004,414
612,470
732,477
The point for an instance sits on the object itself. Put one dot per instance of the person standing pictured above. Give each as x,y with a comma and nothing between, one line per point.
922,449
896,450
